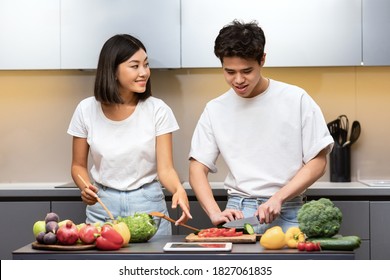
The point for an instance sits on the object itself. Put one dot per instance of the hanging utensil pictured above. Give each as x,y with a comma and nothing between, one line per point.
344,128
355,133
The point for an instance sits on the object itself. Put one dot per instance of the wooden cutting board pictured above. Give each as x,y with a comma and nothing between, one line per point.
57,247
245,238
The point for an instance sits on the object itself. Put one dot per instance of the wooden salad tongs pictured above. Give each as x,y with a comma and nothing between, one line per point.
162,215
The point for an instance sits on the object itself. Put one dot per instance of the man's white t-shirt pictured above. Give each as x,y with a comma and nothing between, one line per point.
123,152
264,140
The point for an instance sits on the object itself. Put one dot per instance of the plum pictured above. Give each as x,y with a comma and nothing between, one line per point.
49,238
52,217
51,226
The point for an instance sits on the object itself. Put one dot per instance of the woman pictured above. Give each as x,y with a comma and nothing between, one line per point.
128,134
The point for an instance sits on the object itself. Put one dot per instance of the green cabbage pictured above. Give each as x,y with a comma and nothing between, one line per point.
141,225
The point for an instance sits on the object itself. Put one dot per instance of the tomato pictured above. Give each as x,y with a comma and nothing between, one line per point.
309,246
317,246
219,232
301,246
231,232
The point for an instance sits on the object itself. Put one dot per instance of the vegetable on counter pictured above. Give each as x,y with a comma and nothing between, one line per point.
219,232
293,236
319,218
273,238
248,229
141,225
309,246
343,243
109,238
123,230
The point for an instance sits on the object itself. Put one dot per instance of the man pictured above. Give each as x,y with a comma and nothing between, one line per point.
272,136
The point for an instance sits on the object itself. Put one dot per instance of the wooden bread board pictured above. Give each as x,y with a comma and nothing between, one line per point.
245,238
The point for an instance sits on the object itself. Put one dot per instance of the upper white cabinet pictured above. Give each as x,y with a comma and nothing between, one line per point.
376,30
29,34
87,24
298,33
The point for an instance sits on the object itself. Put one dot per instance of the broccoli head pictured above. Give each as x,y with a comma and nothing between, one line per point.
320,218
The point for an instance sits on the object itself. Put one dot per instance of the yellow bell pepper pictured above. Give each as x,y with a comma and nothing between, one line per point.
124,231
273,238
293,236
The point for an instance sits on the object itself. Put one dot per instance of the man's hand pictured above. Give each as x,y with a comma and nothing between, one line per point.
269,211
226,216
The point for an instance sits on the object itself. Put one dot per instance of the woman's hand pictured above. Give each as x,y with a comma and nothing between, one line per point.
226,216
180,198
89,195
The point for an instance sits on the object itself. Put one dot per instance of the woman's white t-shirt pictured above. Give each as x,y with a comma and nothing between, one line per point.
264,140
123,152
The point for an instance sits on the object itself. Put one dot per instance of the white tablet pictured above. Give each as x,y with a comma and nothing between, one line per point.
198,246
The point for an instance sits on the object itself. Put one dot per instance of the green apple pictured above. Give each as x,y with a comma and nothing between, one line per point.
62,223
39,226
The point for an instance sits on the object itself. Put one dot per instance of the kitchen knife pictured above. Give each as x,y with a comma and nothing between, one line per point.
254,221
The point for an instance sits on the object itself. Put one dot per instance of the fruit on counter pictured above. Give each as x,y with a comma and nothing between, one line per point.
319,218
141,225
50,238
109,238
38,227
52,217
88,233
273,238
63,222
338,242
67,234
52,226
293,236
124,231
39,237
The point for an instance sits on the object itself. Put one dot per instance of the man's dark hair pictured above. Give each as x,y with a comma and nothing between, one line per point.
245,40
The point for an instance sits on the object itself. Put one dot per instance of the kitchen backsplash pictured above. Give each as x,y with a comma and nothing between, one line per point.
36,107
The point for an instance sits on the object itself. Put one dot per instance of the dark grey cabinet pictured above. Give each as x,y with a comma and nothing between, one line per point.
356,221
199,220
72,210
380,228
17,220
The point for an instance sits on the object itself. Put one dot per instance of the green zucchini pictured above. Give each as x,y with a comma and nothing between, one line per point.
343,243
248,228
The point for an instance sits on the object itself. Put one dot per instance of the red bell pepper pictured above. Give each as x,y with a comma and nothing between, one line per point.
109,239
